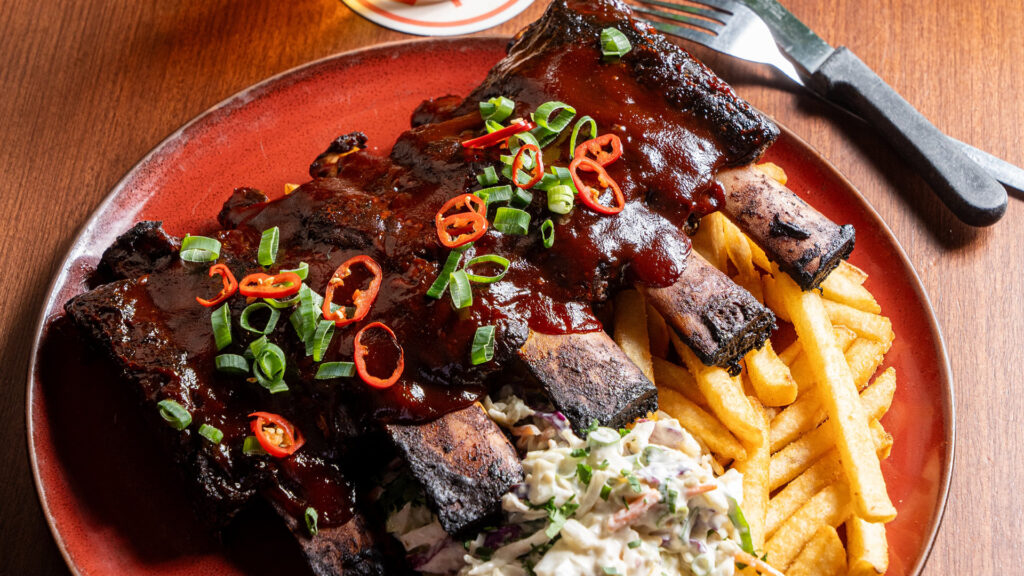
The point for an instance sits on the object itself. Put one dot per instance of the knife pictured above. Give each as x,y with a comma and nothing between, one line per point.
839,76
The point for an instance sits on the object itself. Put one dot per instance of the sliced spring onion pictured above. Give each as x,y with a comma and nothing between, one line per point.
492,126
488,177
282,304
517,140
330,370
547,233
511,221
268,365
311,518
560,199
440,284
232,364
199,249
547,181
211,433
304,319
175,414
302,271
544,135
583,121
542,116
565,177
462,293
322,339
252,447
738,520
221,322
483,345
256,307
497,109
495,194
267,252
486,259
614,44
521,198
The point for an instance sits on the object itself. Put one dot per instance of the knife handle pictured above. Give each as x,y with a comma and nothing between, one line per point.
969,192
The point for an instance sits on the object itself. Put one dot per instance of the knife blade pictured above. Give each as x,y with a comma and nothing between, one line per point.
839,76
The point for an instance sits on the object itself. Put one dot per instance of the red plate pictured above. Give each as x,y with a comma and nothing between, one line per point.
115,507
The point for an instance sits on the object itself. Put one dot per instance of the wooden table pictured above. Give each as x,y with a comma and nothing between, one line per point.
90,86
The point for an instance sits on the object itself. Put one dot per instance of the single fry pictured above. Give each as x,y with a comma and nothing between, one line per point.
738,249
839,288
830,507
838,394
657,332
709,241
669,375
772,299
807,412
631,330
774,171
755,481
770,377
798,455
865,324
724,395
851,273
823,556
759,257
824,472
704,426
867,548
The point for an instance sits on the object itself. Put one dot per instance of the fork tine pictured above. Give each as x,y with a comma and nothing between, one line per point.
708,25
729,6
716,15
683,32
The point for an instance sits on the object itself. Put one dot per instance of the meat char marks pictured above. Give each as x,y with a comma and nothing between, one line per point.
682,130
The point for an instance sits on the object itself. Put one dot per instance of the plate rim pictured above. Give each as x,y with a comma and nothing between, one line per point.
243,96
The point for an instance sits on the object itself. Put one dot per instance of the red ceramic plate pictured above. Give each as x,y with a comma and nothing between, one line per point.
114,505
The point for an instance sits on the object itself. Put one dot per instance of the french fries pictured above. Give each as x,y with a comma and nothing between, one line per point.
802,424
631,330
823,556
838,394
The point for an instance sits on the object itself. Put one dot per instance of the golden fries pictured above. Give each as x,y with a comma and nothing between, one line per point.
631,330
774,171
830,507
823,556
724,395
704,426
839,396
801,424
770,377
868,551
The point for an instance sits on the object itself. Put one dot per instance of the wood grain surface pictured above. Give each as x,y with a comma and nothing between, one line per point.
89,87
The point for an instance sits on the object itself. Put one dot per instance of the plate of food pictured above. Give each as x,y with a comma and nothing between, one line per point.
561,306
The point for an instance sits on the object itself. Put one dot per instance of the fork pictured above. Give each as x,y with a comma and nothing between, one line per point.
734,29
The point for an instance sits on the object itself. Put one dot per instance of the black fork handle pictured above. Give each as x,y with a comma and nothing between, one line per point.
963,186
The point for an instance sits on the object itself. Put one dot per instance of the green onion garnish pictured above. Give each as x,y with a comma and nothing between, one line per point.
565,177
282,304
488,177
614,44
331,370
736,516
634,544
521,198
542,116
483,345
606,491
585,473
267,252
174,414
583,121
497,109
486,259
311,518
560,199
516,141
547,181
492,126
494,194
322,339
304,319
440,284
211,433
610,570
462,293
302,271
252,447
199,249
512,221
221,322
268,365
252,309
232,364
